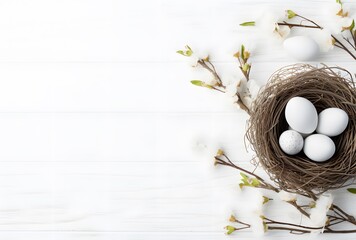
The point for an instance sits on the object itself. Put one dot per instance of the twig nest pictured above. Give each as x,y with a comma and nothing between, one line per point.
325,87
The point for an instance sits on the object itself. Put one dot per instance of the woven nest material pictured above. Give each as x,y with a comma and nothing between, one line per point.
325,87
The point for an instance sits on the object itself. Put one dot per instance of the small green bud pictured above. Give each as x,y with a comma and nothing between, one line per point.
351,27
242,51
232,218
187,53
237,55
219,153
290,14
201,84
245,67
265,227
265,200
230,229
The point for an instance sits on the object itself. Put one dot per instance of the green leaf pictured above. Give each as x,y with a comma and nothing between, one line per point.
246,24
265,200
201,84
352,25
188,52
265,227
245,182
197,83
244,176
339,2
255,182
352,190
230,229
242,51
245,67
290,14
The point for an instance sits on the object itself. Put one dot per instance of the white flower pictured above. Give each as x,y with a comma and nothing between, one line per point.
231,89
337,18
253,87
268,24
287,196
257,226
324,40
322,206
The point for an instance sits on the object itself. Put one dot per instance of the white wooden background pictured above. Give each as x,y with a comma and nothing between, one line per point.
101,134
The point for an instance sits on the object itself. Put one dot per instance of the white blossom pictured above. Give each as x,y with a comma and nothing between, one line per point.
337,18
287,196
324,40
268,25
257,227
253,87
319,212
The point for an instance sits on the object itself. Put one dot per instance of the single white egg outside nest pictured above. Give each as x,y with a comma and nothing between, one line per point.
302,48
301,115
319,147
291,142
332,122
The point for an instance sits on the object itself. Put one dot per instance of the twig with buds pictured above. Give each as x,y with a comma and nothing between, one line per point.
250,179
312,24
245,67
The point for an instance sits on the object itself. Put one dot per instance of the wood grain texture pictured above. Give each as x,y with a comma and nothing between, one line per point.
103,137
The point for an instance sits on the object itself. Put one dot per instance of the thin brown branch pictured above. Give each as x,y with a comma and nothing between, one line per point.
349,217
212,70
349,42
241,104
284,23
299,208
306,19
344,47
340,215
338,43
291,230
270,221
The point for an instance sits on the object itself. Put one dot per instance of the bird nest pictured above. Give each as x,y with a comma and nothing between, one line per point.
325,87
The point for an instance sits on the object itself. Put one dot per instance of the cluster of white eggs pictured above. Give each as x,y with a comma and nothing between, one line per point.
311,132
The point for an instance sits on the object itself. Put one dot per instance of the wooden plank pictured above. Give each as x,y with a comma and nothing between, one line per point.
109,30
129,197
120,87
124,137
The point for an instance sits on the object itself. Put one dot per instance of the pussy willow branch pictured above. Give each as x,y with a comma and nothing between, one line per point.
349,42
338,43
206,64
242,62
341,217
211,68
263,184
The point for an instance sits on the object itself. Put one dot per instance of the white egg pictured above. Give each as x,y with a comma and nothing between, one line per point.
291,142
332,122
301,48
301,115
318,147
